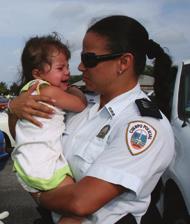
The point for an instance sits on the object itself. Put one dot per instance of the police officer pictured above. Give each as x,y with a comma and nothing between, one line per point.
120,145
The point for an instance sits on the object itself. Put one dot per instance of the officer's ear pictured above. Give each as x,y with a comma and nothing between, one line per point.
126,62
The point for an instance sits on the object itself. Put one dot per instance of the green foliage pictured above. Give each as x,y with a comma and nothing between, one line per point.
3,88
75,78
148,70
14,89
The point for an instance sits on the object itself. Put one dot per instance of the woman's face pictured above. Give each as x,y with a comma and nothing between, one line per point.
102,76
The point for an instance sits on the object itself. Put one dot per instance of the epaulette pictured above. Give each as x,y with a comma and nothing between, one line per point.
148,108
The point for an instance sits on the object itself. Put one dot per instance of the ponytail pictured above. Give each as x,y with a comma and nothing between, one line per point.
163,76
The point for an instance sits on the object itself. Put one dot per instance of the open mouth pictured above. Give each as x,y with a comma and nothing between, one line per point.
65,81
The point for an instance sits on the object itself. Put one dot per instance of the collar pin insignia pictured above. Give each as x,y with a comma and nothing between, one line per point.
103,132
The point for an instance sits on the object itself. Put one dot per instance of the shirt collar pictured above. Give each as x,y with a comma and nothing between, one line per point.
92,98
119,103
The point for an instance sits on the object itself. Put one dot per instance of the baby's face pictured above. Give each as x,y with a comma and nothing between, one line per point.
58,73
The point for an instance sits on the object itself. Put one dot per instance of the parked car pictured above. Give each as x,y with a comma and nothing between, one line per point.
9,141
175,205
3,102
3,154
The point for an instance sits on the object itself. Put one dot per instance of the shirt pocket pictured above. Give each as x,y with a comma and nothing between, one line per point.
86,154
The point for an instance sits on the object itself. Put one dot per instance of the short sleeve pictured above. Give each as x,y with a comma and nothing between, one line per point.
138,172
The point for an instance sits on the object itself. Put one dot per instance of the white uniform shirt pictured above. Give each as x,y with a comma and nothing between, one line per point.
118,145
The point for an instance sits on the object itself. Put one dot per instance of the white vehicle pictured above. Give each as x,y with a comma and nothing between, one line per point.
176,180
10,143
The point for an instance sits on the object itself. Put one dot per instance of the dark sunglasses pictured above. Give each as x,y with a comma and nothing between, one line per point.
90,60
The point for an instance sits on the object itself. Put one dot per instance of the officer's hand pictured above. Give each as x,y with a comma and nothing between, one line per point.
26,106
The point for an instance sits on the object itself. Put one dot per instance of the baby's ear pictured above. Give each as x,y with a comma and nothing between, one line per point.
36,73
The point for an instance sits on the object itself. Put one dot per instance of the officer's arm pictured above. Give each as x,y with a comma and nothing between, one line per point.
81,198
26,106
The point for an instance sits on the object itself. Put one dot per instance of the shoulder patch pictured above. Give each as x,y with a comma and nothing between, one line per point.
139,136
148,108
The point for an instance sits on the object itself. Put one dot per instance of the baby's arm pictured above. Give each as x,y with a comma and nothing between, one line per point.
73,100
74,90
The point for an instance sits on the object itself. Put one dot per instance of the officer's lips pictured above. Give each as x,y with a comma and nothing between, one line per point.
85,79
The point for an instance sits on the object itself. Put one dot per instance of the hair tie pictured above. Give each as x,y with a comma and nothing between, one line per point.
153,49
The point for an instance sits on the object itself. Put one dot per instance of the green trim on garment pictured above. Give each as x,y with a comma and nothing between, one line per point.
32,82
40,183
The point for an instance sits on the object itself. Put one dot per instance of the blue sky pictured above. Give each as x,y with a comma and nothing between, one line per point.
167,22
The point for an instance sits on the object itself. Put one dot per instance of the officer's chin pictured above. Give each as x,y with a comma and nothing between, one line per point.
89,89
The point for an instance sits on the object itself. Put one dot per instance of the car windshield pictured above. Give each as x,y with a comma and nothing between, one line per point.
187,93
184,96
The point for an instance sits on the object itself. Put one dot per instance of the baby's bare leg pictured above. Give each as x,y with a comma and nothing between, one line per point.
66,181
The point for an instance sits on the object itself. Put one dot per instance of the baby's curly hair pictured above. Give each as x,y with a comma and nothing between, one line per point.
38,51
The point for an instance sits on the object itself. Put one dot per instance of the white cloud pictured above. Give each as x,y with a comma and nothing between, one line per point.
166,20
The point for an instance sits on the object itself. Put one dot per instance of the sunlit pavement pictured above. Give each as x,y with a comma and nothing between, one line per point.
20,205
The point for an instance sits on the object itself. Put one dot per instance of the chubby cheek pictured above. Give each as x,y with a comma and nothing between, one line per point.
55,82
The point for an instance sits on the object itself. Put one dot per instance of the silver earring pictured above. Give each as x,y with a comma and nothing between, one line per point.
119,72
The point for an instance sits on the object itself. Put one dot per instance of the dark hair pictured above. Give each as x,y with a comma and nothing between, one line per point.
125,34
37,52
